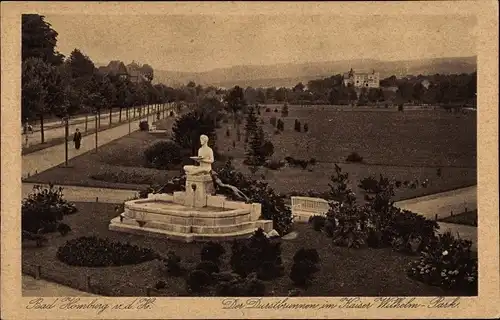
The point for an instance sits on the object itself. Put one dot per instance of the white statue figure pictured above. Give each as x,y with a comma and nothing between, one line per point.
205,158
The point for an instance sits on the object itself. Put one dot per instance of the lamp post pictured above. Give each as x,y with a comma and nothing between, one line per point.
66,134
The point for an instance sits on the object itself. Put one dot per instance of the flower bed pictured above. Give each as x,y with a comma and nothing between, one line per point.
96,252
447,262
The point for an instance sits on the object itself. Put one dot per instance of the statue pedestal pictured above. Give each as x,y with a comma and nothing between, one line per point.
198,187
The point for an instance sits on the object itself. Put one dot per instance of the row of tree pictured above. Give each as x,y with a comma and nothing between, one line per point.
54,85
432,89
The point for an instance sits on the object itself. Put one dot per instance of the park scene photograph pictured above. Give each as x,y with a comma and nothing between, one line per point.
249,155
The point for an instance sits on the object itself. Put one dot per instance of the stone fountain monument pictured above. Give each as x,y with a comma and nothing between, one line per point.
196,214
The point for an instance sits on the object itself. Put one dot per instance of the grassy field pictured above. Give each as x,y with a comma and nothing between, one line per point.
412,138
405,146
344,272
468,218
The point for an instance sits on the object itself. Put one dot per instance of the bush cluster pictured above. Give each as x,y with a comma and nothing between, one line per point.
173,265
449,263
96,252
300,162
354,157
232,285
43,210
377,223
163,154
280,125
304,266
212,251
257,254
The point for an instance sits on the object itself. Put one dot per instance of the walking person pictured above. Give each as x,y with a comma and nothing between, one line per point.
77,138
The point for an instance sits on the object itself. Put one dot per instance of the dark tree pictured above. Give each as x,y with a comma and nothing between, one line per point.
39,40
251,123
188,128
235,100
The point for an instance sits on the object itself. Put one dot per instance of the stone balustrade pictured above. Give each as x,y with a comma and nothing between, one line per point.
305,207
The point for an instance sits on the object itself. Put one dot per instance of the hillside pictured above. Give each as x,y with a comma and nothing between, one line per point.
289,74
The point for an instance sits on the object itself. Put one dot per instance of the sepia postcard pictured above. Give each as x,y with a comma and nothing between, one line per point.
245,160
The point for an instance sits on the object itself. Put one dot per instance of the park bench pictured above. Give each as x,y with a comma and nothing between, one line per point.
305,207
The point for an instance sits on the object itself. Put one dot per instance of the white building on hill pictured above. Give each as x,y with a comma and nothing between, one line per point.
362,80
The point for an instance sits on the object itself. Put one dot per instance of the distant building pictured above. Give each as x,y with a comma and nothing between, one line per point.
136,73
115,68
425,83
362,80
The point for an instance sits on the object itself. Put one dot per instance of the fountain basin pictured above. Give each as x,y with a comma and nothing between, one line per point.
166,216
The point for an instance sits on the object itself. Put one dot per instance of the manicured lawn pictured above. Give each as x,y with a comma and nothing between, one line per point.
405,146
468,218
344,272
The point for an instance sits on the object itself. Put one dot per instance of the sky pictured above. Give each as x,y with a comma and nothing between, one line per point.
196,43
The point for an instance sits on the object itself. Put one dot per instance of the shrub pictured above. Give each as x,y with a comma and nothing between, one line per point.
171,114
173,264
212,251
275,109
403,230
297,125
160,285
304,266
447,262
256,254
312,161
273,204
345,219
318,222
96,252
306,127
400,107
306,254
44,208
238,287
63,229
354,157
208,266
144,126
197,281
280,125
369,184
228,133
297,162
268,109
272,121
163,154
